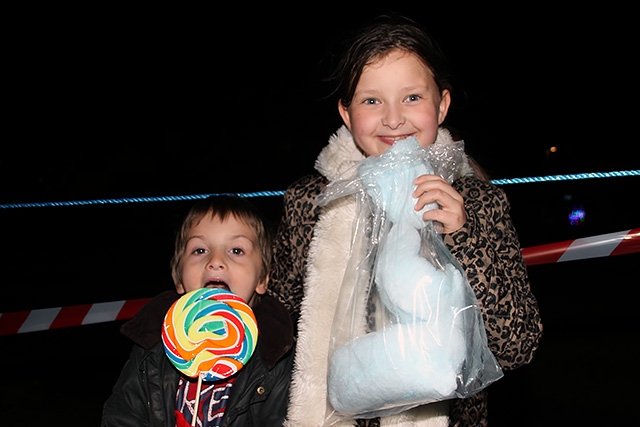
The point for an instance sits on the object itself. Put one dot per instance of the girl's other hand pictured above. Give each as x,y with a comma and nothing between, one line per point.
433,188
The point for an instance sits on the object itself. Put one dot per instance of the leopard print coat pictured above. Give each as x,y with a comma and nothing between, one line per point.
487,247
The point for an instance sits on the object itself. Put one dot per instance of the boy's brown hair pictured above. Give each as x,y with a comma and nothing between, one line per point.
222,206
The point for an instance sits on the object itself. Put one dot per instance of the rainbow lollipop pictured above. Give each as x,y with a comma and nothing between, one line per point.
209,334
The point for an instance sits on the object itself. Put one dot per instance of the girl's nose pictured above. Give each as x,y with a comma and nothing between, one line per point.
393,117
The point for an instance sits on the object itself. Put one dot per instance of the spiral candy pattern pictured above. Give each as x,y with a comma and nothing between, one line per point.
210,333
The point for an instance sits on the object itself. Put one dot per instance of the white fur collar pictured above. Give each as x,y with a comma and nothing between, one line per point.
341,155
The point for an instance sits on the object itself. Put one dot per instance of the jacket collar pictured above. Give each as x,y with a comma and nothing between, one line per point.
276,327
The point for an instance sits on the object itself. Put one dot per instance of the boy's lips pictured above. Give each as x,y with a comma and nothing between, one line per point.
217,284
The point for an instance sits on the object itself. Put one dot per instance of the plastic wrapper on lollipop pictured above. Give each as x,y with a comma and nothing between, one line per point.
408,330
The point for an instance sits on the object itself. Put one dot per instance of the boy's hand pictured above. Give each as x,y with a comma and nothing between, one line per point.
432,188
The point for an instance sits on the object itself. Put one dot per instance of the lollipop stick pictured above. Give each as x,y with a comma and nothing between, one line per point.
197,402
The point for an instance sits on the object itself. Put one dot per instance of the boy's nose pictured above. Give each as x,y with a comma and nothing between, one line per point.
216,262
215,265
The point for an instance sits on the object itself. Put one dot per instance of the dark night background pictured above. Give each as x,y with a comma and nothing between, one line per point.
123,103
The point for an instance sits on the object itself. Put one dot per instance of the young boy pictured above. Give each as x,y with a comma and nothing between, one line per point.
223,243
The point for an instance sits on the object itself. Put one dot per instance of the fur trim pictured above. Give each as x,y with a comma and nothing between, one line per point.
329,252
342,155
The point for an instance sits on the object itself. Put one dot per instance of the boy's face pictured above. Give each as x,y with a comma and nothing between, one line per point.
395,98
222,255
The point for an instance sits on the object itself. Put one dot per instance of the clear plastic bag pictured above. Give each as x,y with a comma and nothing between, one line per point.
408,330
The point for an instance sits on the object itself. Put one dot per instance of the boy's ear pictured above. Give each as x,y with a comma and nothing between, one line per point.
180,288
262,286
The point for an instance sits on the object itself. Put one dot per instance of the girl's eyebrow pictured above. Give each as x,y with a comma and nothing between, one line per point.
366,92
414,87
404,89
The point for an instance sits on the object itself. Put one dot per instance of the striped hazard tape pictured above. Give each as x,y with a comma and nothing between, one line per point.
624,242
620,243
18,322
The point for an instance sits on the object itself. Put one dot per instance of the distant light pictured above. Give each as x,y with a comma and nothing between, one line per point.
553,149
576,217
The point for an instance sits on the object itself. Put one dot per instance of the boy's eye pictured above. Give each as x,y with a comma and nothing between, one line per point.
237,251
199,251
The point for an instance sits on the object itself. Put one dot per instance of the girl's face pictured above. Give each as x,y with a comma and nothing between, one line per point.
396,97
222,255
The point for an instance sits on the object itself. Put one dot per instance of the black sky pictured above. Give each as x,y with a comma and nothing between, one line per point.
126,103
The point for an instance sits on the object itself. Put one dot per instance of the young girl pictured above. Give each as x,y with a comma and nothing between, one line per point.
393,84
223,243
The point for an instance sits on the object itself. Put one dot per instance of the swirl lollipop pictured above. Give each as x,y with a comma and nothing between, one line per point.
209,334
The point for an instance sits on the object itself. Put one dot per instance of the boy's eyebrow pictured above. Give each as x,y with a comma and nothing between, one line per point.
244,236
195,236
252,238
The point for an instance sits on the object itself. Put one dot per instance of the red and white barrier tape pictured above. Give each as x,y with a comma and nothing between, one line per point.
624,242
18,322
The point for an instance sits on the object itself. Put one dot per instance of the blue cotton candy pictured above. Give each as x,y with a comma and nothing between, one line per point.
394,369
389,180
417,358
410,286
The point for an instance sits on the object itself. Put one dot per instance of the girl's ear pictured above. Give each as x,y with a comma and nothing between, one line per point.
445,102
344,113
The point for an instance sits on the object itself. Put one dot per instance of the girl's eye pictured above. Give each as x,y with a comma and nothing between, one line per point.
370,101
413,97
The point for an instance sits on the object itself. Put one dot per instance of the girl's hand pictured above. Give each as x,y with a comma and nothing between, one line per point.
432,188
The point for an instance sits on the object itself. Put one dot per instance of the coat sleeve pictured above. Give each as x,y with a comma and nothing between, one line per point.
488,248
127,404
274,412
291,243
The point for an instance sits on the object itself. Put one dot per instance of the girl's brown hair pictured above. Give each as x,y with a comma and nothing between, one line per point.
383,34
